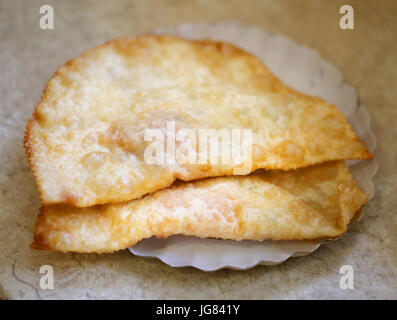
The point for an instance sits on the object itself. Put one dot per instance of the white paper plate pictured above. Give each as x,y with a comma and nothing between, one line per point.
303,69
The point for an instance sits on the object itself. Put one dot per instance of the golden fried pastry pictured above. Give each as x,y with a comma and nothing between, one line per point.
85,142
309,203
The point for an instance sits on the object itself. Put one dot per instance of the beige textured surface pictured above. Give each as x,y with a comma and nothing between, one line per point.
29,56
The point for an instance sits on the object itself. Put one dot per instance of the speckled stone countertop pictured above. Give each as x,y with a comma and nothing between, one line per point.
367,57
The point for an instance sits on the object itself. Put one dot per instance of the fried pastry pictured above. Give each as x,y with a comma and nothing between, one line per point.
309,203
85,141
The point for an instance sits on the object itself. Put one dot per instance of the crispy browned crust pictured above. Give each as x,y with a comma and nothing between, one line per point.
68,194
312,203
